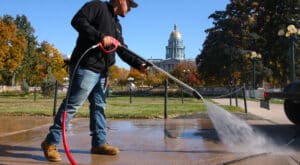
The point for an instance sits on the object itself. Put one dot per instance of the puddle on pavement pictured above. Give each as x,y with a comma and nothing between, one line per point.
202,128
172,128
18,123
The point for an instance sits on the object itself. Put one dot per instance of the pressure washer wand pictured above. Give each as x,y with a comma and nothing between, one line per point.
194,91
125,50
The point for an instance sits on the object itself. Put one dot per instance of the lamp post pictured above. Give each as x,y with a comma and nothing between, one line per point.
254,57
130,86
292,32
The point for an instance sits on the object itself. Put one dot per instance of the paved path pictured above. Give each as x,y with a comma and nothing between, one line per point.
154,141
142,142
275,114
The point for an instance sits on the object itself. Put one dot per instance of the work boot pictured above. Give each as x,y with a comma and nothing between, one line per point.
105,149
50,152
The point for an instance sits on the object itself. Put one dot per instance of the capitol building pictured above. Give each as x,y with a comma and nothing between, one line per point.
175,52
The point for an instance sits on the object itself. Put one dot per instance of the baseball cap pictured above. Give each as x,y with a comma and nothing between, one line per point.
132,3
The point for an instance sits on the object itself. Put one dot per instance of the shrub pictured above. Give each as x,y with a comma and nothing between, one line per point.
48,87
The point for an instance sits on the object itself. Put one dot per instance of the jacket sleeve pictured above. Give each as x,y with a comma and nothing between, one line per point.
83,19
131,58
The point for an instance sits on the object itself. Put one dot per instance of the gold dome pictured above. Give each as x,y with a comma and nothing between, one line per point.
175,34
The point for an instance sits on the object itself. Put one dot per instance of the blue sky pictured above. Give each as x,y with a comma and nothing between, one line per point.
146,29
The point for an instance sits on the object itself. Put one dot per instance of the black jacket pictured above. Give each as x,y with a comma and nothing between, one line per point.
93,21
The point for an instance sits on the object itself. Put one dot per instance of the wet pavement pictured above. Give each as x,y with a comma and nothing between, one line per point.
188,140
11,125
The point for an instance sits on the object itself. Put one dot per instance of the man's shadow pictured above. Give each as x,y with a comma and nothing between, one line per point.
10,151
23,152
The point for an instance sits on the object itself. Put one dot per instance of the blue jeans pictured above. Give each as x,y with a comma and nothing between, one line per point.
90,85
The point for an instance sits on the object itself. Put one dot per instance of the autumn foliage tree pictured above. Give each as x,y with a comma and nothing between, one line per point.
118,76
187,72
22,58
114,73
50,63
26,72
12,48
154,78
137,75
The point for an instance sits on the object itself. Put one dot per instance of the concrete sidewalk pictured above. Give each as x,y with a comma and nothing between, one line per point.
192,141
142,142
275,114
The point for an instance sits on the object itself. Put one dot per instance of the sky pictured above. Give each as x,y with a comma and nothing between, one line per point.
146,29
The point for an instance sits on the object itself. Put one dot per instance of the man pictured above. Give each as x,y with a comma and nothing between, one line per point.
95,22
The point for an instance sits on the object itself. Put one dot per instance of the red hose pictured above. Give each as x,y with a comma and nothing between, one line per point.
72,161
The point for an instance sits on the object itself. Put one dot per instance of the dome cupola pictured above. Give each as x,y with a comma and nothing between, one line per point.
175,48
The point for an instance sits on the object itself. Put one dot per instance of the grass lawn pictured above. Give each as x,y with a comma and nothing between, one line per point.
117,107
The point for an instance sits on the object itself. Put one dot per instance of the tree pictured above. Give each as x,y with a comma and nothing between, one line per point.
187,72
154,78
57,63
137,75
114,75
245,26
13,46
50,63
278,15
30,56
22,59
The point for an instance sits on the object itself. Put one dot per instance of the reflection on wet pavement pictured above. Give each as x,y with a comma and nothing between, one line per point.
17,123
155,141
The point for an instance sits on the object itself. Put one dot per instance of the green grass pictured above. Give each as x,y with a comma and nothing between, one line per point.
117,107
151,107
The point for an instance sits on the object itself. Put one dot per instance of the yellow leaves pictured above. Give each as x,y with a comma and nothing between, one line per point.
39,67
12,46
34,64
154,78
255,3
119,76
114,73
292,29
52,61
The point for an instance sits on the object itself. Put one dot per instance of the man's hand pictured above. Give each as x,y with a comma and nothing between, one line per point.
107,41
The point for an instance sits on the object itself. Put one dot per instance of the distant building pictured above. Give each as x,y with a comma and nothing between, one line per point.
175,52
